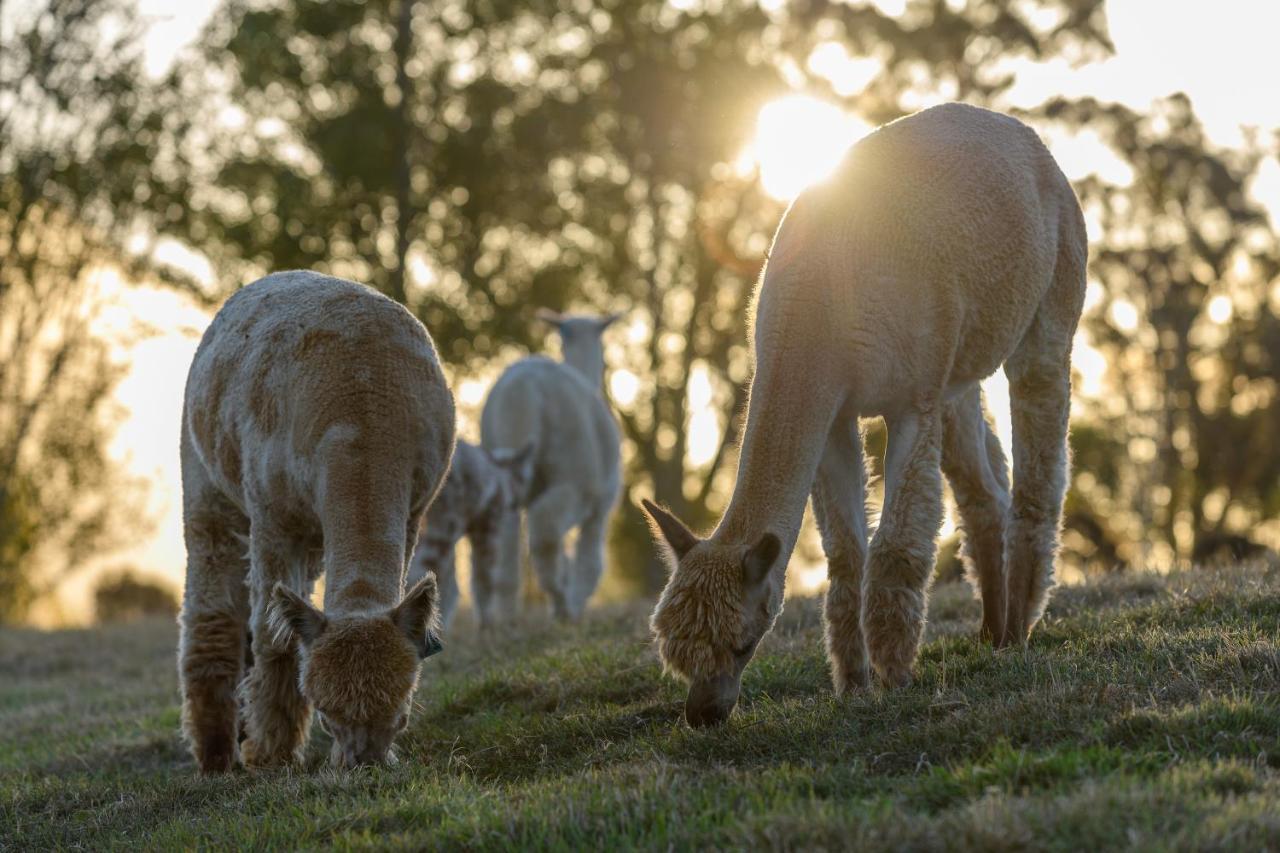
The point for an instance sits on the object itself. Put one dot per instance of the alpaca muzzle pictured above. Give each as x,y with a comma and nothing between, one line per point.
711,700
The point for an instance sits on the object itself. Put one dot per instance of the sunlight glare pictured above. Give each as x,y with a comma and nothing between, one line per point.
799,141
704,424
1124,315
1220,309
847,74
623,387
471,392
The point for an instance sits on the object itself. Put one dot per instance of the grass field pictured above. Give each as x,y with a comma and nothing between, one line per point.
1145,714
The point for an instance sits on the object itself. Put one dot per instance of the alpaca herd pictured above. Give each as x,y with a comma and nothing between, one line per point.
318,431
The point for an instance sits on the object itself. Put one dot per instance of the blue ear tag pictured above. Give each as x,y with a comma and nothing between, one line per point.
433,646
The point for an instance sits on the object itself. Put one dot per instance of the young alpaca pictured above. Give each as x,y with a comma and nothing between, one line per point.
481,491
317,427
558,408
947,244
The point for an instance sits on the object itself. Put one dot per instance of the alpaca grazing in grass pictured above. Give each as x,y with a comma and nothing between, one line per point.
574,470
947,244
317,427
481,492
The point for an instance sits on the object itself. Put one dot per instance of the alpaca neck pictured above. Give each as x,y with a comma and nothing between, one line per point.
788,419
362,576
364,522
591,369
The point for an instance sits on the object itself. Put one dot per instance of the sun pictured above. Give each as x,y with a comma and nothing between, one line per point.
799,140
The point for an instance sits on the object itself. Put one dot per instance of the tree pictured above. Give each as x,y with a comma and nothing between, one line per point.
566,155
1186,316
124,595
71,181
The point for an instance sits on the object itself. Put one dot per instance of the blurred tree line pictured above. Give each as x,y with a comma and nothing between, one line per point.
479,159
76,132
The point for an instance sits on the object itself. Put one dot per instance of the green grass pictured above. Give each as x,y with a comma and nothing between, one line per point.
1145,714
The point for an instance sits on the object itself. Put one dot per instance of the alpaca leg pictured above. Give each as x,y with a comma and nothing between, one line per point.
588,562
215,610
277,716
447,585
495,571
976,469
839,503
445,568
902,551
551,516
1039,402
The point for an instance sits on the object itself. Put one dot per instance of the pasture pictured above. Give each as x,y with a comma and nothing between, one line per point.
1145,714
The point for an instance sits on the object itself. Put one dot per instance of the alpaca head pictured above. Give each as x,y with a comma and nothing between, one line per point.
483,487
359,672
719,602
580,341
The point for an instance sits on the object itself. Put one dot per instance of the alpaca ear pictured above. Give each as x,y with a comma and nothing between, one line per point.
290,617
608,320
760,559
680,538
416,616
551,318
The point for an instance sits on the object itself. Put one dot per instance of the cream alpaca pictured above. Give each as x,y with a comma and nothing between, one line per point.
574,473
317,427
946,245
480,493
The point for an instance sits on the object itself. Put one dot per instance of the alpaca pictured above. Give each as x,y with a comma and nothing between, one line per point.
947,244
316,429
558,408
481,490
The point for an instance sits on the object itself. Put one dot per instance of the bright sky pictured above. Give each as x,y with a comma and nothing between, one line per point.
1222,55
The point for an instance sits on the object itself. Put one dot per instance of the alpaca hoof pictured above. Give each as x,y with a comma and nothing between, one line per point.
850,682
217,755
992,634
254,757
1014,635
895,677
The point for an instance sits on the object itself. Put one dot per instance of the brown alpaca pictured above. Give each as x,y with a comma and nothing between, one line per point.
316,429
946,245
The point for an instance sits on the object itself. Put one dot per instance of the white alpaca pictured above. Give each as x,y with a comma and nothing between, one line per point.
946,245
480,493
317,427
574,472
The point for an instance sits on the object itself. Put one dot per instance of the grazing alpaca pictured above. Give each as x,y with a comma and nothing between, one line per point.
946,245
481,491
316,428
574,471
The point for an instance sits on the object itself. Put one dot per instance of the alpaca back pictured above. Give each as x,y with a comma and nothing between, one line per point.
310,394
932,245
574,437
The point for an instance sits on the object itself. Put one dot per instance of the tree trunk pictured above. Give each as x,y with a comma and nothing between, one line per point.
404,133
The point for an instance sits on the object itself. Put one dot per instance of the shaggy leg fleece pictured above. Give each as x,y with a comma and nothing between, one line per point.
842,615
1040,402
588,560
1040,481
551,517
277,717
210,655
495,571
976,469
839,503
902,551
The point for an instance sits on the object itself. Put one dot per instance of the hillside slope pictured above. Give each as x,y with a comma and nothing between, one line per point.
1145,713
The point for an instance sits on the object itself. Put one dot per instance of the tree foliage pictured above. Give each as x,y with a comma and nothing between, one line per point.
73,169
481,159
1187,264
